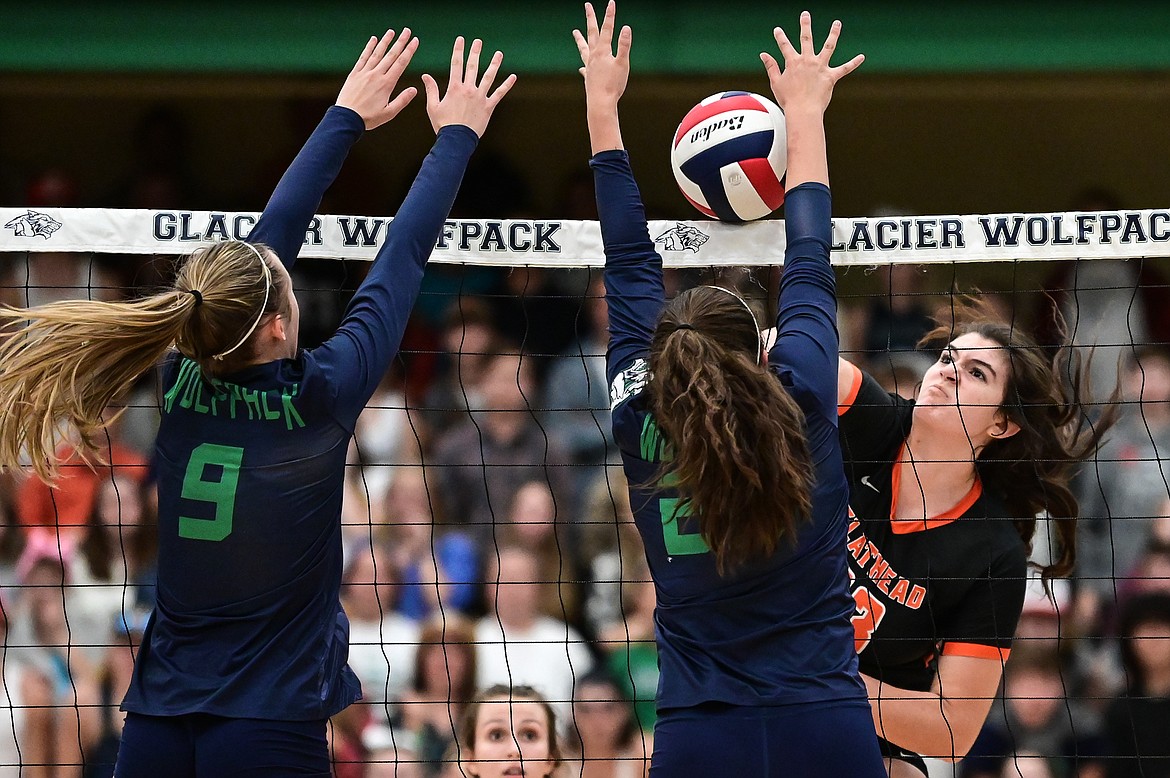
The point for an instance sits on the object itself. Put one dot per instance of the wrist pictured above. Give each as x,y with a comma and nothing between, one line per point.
804,112
601,106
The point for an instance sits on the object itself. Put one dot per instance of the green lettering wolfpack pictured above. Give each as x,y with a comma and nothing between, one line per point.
211,397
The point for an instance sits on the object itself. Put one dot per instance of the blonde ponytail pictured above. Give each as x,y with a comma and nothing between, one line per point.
62,364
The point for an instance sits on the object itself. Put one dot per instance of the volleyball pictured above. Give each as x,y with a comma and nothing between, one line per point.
729,154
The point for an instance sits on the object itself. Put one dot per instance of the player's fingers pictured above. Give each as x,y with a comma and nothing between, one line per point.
401,101
590,22
471,69
380,49
402,60
806,44
456,61
489,73
366,52
503,89
607,22
830,42
395,52
432,89
841,71
582,45
787,50
771,66
625,40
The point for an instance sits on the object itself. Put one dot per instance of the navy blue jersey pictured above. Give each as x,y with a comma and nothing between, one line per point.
953,584
248,622
775,631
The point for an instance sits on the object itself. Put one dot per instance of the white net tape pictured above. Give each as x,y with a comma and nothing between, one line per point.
564,243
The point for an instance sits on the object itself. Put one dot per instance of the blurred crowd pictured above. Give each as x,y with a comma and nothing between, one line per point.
488,534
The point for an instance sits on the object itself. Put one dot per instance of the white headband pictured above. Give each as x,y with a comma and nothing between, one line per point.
755,324
263,307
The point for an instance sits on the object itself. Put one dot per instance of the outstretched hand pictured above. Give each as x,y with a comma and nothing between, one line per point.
369,85
467,102
605,74
806,80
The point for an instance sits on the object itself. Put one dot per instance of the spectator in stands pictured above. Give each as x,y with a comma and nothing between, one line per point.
1036,716
509,730
619,603
610,546
382,439
443,686
481,463
604,736
533,523
66,508
515,643
576,394
11,703
112,575
440,565
393,760
12,535
534,310
896,318
1137,722
51,669
381,641
100,696
1108,304
1124,489
469,338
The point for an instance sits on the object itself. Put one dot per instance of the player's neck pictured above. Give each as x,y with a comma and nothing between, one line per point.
934,477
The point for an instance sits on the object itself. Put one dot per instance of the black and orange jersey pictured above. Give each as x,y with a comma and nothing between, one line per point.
950,584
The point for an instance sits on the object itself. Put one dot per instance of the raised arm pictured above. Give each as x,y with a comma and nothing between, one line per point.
363,104
633,269
805,352
368,338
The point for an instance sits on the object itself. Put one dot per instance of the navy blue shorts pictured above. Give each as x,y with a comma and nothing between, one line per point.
199,745
818,740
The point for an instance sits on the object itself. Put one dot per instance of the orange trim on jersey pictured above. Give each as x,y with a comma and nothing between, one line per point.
976,651
854,388
906,526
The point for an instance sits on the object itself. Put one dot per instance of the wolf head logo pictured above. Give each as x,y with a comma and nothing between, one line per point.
33,224
682,237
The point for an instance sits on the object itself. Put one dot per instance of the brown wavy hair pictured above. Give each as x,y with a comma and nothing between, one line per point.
737,455
61,364
465,736
1047,396
448,632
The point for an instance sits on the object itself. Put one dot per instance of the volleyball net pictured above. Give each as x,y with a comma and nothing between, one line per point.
488,536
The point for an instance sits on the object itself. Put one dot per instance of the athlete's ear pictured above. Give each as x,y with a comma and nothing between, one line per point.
1003,427
279,329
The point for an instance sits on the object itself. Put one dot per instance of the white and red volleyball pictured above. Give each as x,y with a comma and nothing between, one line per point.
729,156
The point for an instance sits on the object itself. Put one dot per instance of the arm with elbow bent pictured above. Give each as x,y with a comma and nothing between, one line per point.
944,721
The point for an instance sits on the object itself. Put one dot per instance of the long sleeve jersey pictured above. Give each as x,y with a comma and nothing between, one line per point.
775,631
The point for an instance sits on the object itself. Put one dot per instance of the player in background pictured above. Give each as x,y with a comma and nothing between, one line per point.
244,658
742,516
945,491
